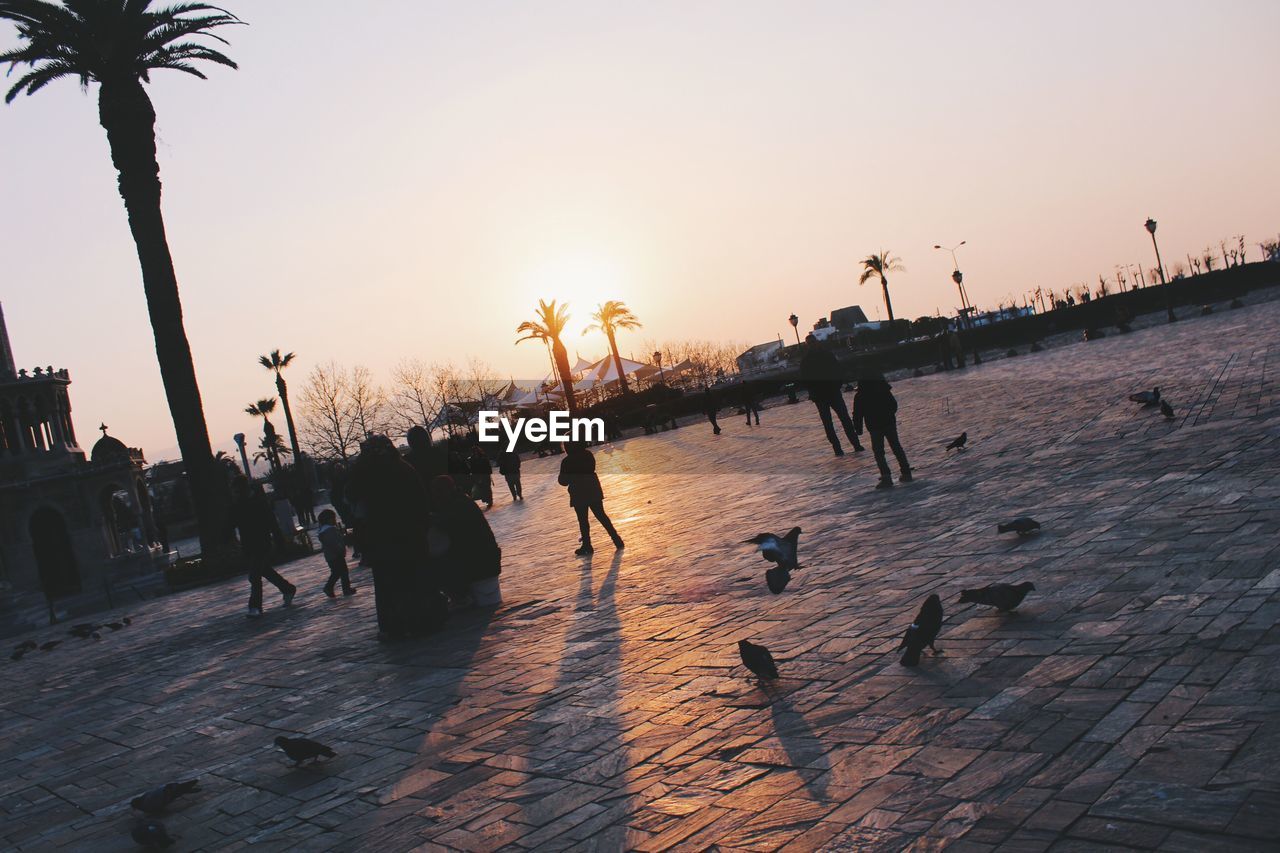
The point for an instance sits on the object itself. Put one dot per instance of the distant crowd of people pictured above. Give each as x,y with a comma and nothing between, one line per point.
414,518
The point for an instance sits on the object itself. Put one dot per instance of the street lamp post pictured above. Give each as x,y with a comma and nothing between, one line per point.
657,359
795,324
958,278
1150,225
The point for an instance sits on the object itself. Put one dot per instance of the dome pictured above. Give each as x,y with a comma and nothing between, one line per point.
108,449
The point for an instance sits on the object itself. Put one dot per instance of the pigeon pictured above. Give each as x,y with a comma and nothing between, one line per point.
959,443
1166,410
1022,525
757,659
52,644
152,835
922,632
1002,596
300,749
780,550
157,800
1146,398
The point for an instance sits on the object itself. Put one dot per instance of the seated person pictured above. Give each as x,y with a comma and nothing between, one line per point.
469,552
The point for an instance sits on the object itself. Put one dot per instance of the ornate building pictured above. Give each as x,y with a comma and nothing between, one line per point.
75,533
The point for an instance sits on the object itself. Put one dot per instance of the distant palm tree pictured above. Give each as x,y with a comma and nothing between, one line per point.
610,317
877,266
271,448
263,409
276,362
117,44
548,326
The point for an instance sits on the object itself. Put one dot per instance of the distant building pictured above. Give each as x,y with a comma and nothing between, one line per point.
760,355
75,532
849,318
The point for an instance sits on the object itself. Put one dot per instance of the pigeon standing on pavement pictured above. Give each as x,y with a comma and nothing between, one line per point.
157,800
1002,596
300,749
1166,409
152,835
782,551
959,442
757,659
922,632
1022,525
1146,398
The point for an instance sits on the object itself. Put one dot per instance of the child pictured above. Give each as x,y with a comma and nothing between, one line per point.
333,542
875,406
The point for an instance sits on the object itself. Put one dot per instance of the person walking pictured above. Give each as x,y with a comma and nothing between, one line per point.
820,371
875,406
333,543
711,407
578,474
509,468
259,537
749,401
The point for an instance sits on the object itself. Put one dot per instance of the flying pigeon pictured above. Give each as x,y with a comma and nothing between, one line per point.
1022,525
152,835
300,749
959,443
1166,410
1146,398
757,659
157,800
922,632
1002,596
52,644
780,550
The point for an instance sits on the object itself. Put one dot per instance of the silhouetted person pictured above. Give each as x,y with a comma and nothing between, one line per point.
957,348
820,372
875,406
711,408
429,459
472,553
578,473
394,538
333,543
481,476
750,403
260,535
509,468
459,468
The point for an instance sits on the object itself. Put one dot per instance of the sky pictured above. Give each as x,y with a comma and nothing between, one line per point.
405,179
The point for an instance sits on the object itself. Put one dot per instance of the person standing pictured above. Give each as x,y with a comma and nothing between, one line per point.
259,537
509,468
875,406
711,407
333,542
820,371
749,401
472,554
481,476
578,474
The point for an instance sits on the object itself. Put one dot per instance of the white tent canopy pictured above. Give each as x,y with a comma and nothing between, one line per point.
606,371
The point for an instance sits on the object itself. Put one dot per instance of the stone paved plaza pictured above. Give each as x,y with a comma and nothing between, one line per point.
1133,700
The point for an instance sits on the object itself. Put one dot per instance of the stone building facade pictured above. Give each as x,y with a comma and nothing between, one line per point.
76,532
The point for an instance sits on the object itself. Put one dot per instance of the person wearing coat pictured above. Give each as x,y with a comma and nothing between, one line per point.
260,536
509,468
468,551
875,406
820,372
578,475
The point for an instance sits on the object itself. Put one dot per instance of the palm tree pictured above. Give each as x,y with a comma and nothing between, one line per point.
116,44
277,362
549,326
610,317
876,266
263,409
271,448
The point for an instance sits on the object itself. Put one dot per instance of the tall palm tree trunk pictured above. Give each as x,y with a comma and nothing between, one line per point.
126,113
888,306
288,417
561,356
617,362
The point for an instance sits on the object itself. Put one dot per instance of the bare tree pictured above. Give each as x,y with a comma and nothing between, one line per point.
369,410
415,398
328,426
